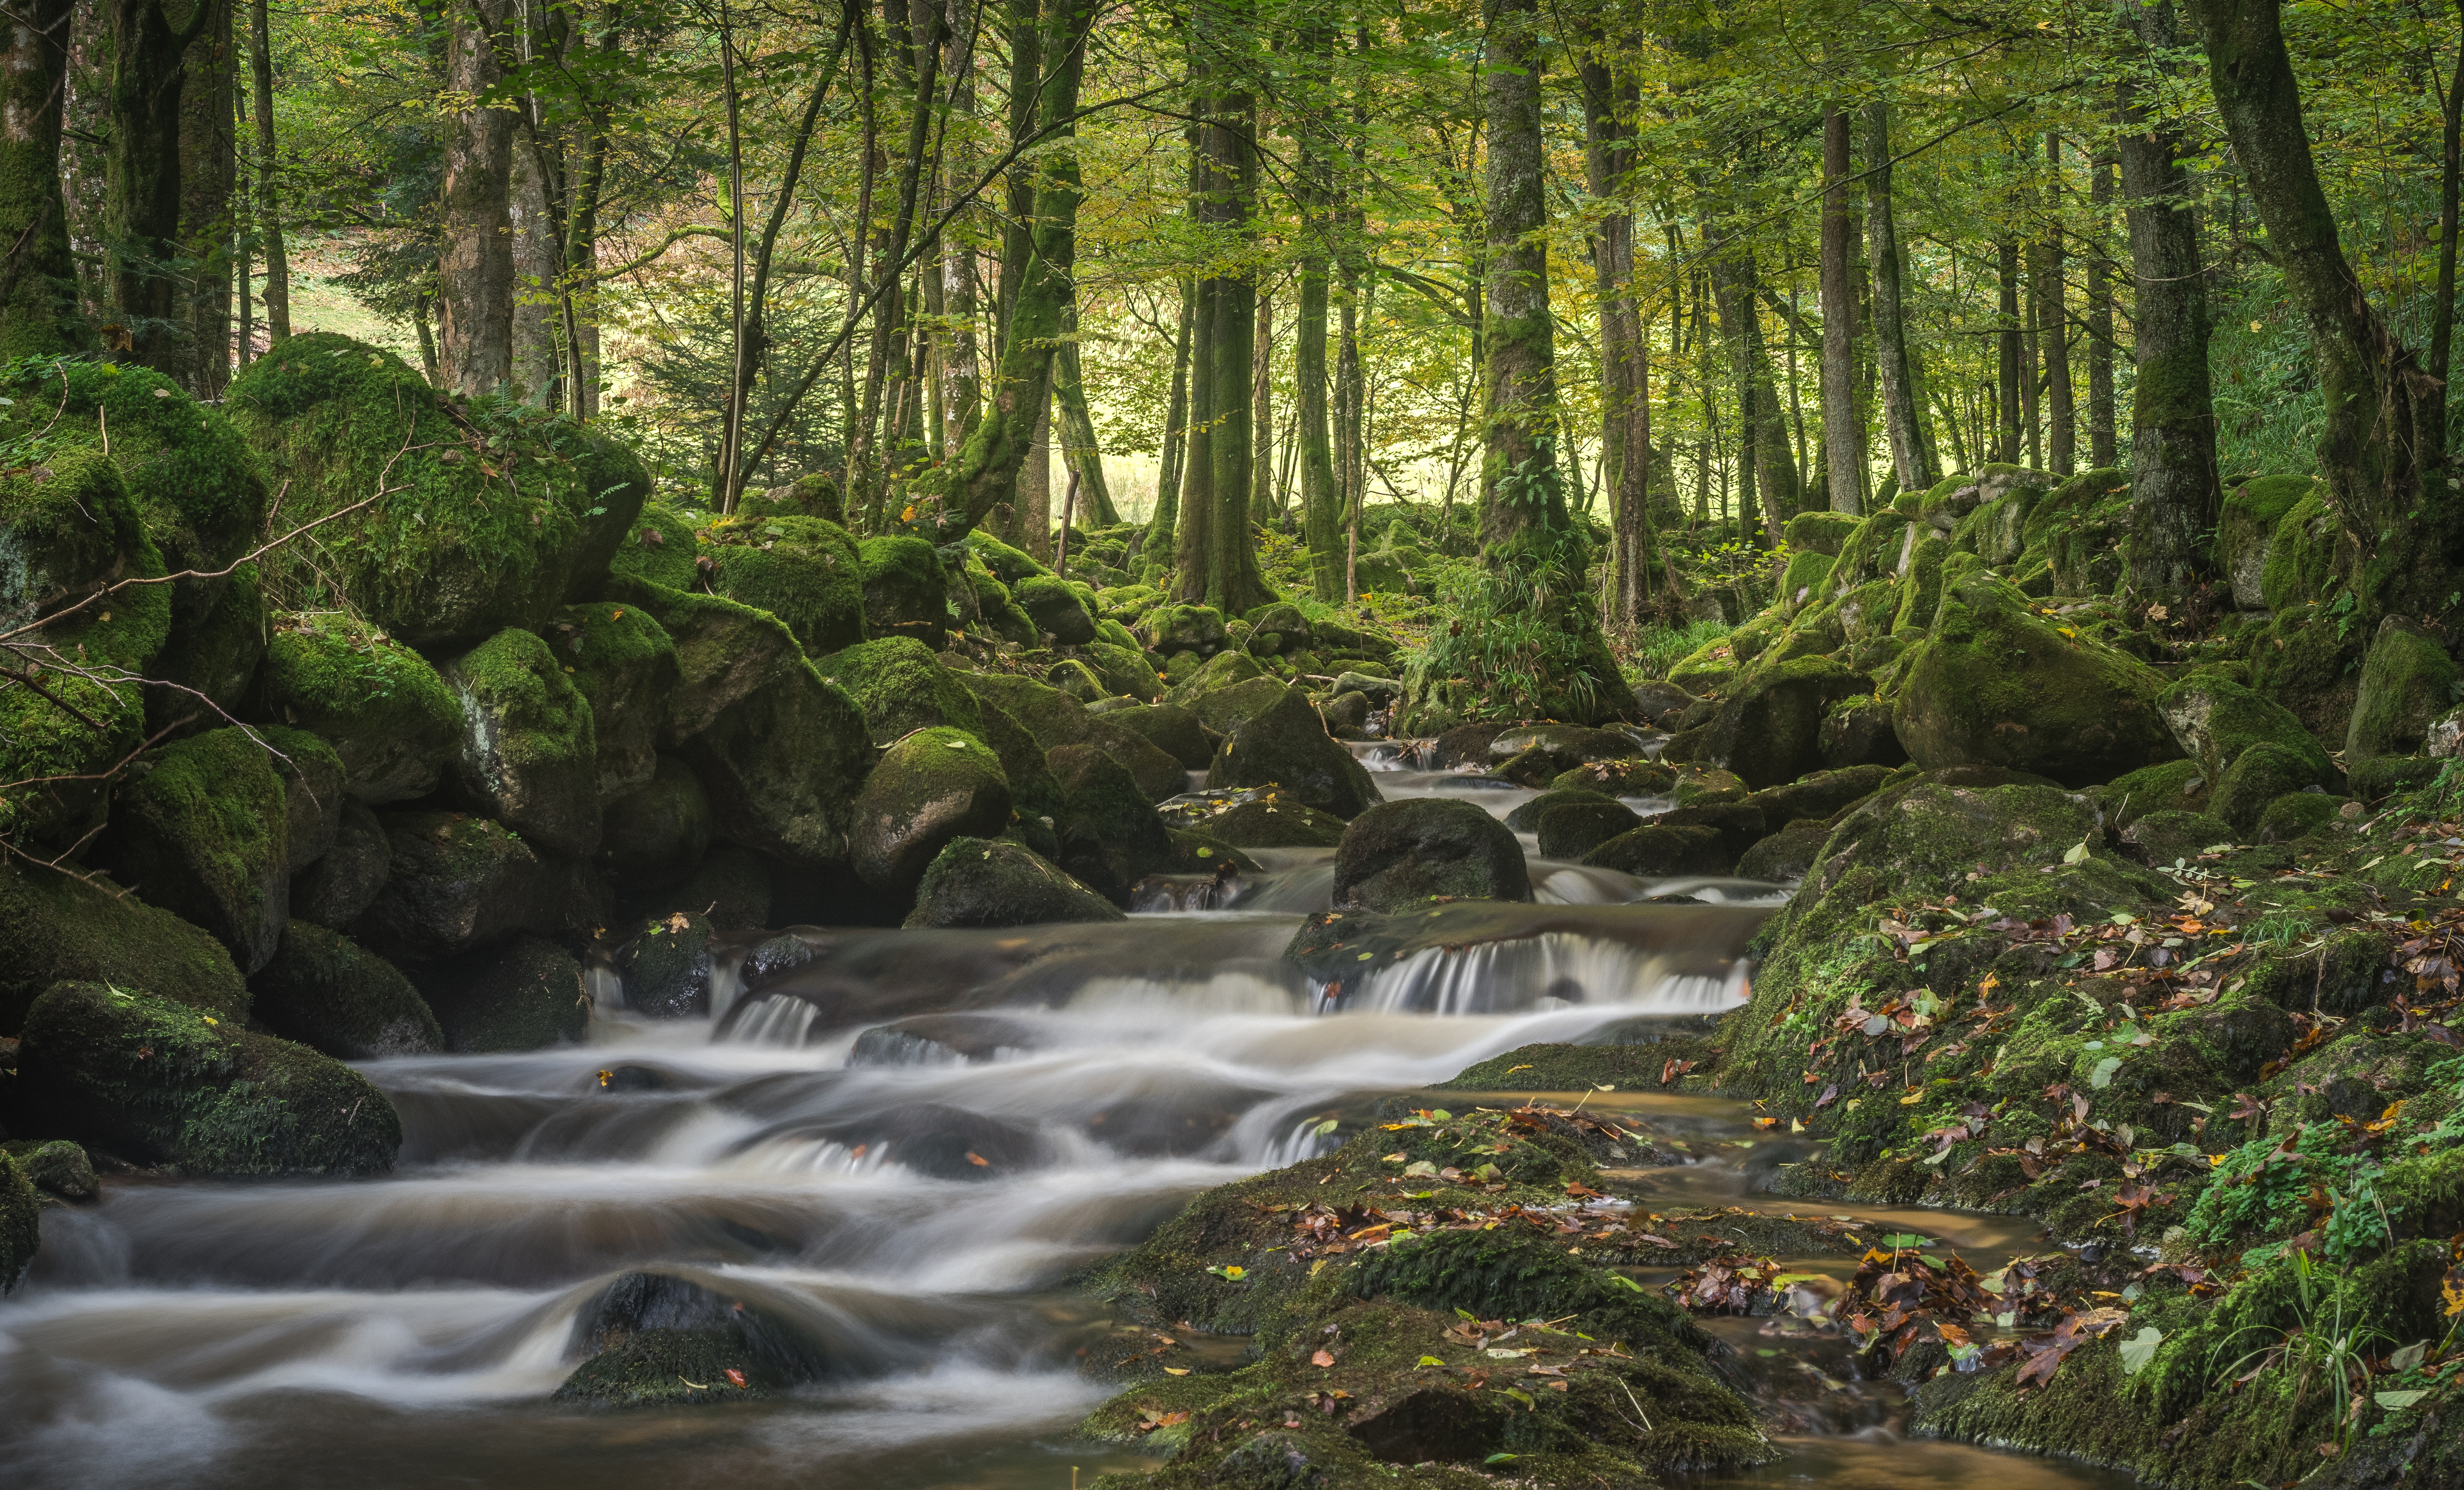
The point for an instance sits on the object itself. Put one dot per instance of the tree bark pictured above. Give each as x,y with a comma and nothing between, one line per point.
1843,429
1261,407
962,378
269,191
2007,363
208,178
1321,497
2451,166
2101,421
2053,325
2173,490
1524,490
143,194
39,291
1158,540
1078,447
1902,415
475,275
537,260
1034,495
1767,474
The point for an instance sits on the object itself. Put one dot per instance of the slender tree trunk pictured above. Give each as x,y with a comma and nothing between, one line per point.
2053,325
38,293
1349,466
2008,369
2101,421
2442,310
1844,430
1903,414
1077,426
2173,490
1606,162
1262,409
475,275
269,191
1158,540
886,362
1034,497
537,260
2032,425
962,379
1766,473
1321,498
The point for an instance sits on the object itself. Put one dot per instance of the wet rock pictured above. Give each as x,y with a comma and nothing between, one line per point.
58,1168
1173,730
1570,830
656,835
1699,786
525,994
933,786
1287,745
54,927
2263,773
1620,779
529,753
1347,716
21,1223
902,688
1660,703
624,664
332,891
1786,855
1402,854
329,993
988,882
2169,836
1111,837
905,590
1125,671
2408,680
667,967
1819,794
774,957
459,882
1158,773
735,887
1656,850
1526,819
202,829
1769,725
803,570
940,1039
657,1340
1858,732
1740,824
312,792
1254,817
162,1083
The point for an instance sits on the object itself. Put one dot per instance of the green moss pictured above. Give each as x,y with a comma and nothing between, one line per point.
1579,1067
2298,814
2408,680
934,785
328,993
802,570
2263,773
2303,662
669,1368
1921,587
385,712
979,882
659,547
522,995
1818,533
1046,712
1008,565
55,928
624,665
21,1223
154,1080
203,831
2215,719
905,591
483,514
2301,558
530,753
902,687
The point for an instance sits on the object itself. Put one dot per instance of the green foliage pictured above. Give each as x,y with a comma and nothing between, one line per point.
1656,648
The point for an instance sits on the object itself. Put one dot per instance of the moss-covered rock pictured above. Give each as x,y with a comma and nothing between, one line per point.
624,665
905,591
659,546
780,751
1287,745
459,882
1768,729
1047,714
902,687
2215,719
2298,814
481,514
1056,609
159,1082
802,570
988,882
933,786
2169,835
2301,556
1008,565
330,994
666,967
202,828
1570,830
2246,532
736,887
2304,662
54,927
1256,817
1995,685
2263,773
529,753
1168,629
58,1168
21,1223
1111,837
2175,786
657,835
332,891
1125,671
1820,532
387,713
2408,680
524,995
312,777
1402,854
1659,850
215,655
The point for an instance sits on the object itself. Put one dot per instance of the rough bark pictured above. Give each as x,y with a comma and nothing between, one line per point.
1524,492
143,275
2007,360
38,306
2174,495
1843,427
2054,327
961,381
537,257
2101,421
1157,538
1767,473
1033,498
209,179
475,275
1902,415
268,207
1077,429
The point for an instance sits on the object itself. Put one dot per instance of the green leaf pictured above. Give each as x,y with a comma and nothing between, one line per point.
2409,1357
2140,1350
2102,1076
2398,1401
1431,1360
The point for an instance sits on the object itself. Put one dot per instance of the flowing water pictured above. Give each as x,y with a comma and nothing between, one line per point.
912,1202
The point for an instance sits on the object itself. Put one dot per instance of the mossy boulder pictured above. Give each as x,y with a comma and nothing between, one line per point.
524,995
1399,855
55,928
1993,684
2175,786
1526,818
1047,714
813,494
383,709
736,887
2304,662
1078,680
1256,817
58,1168
2170,835
1786,855
202,828
459,882
1111,837
2408,680
213,658
2215,719
802,570
1125,671
902,687
2246,532
1158,773
1009,564
1222,671
481,514
1570,830
332,891
657,835
1168,629
2298,814
905,591
21,1223
330,994
1286,745
2301,556
1057,609
159,1082
659,546
624,664
666,969
529,753
311,791
989,882
780,751
2260,775
1768,727
1820,532
934,785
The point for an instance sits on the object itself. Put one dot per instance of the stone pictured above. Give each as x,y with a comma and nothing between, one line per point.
1255,818
460,881
56,929
1656,850
2408,680
2173,836
1821,795
624,664
1619,777
733,886
2263,773
2301,555
666,967
1056,609
202,828
529,753
1526,818
391,719
1786,856
330,994
1221,709
1171,728
905,591
659,546
1570,830
1125,671
58,1168
525,994
657,835
1287,745
934,785
1402,854
1111,835
1168,629
312,792
1740,824
1345,716
2296,815
2246,530
656,1339
332,891
1047,714
805,571
2175,786
2215,719
21,1223
1079,681
901,688
159,1082
1768,727
987,882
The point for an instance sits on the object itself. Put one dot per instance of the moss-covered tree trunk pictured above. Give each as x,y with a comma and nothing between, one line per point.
2174,495
1904,424
141,185
2102,424
2054,325
1843,427
1078,445
475,275
38,306
1156,542
2384,436
208,180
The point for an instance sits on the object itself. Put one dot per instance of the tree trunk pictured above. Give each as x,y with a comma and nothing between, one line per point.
2451,168
1078,447
1524,492
2008,366
1606,162
2173,493
1844,430
1034,495
1902,415
1766,473
269,194
1321,498
2385,435
1262,409
1156,542
39,291
962,379
2101,421
537,257
475,277
142,192
209,176
2054,325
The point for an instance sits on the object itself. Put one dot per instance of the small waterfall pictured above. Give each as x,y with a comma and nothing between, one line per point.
1554,970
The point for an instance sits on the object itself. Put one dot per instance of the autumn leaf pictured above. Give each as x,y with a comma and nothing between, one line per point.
1322,1358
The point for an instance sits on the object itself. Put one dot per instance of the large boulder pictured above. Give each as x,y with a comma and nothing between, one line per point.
213,659
1768,727
1399,855
157,1081
2215,719
2261,774
55,928
657,835
1057,609
1656,849
1125,671
2408,680
312,792
524,995
460,881
660,547
529,755
344,880
1173,730
1255,818
934,785
1993,684
2246,532
1819,795
780,750
330,994
1158,773
988,882
1111,836
905,591
477,515
1570,830
21,1223
623,663
381,706
1046,713
1169,629
203,831
805,571
1287,745
1221,709
902,687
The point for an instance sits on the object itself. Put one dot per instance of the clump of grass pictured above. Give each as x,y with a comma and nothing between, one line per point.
1658,648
